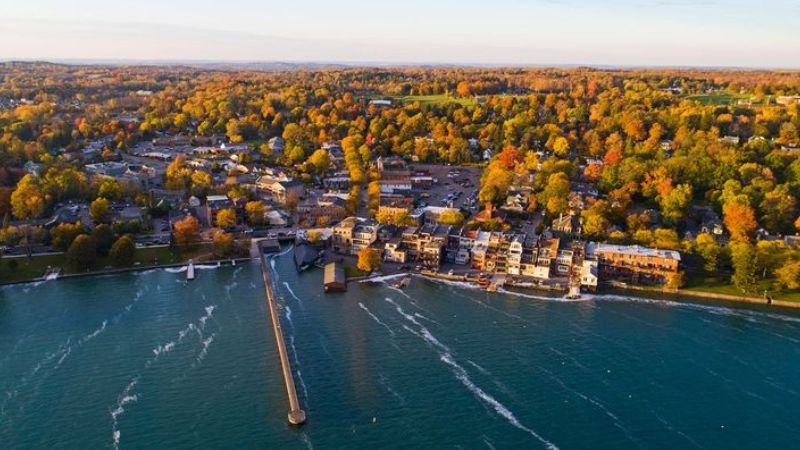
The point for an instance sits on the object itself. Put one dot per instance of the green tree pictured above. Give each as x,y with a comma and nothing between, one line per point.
63,234
709,249
103,237
743,258
81,254
123,251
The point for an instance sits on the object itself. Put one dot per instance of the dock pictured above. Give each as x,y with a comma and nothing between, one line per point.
296,415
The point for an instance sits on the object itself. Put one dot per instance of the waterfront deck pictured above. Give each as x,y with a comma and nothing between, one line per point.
296,414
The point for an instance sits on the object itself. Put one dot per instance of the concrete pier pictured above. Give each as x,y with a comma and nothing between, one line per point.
296,415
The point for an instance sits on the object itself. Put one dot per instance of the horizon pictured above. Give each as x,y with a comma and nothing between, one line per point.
510,33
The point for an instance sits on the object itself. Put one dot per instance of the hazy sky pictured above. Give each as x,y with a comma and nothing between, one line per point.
763,33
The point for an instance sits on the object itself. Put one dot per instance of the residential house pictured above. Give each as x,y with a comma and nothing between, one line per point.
634,263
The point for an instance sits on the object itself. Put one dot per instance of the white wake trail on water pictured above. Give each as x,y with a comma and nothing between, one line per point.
127,396
376,319
124,398
445,355
291,292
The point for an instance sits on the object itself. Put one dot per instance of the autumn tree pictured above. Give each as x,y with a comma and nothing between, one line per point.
226,218
223,243
63,234
255,211
100,210
451,217
28,201
368,260
740,220
187,231
788,275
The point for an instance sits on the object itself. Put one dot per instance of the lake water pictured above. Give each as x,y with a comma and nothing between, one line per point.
148,360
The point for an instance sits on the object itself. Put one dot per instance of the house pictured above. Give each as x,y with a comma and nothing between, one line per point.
392,206
322,210
395,251
567,224
283,190
338,181
276,144
334,278
354,234
490,213
111,168
395,182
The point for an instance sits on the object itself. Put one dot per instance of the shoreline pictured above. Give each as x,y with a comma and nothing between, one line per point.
122,270
701,295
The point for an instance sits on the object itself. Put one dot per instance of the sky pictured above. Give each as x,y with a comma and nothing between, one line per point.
730,33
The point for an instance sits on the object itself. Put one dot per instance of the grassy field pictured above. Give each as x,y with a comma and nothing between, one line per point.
434,99
718,98
35,267
722,285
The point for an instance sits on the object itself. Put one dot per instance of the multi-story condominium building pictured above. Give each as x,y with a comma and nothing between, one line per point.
634,263
365,234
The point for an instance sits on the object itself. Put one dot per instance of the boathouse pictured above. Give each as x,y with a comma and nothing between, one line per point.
334,278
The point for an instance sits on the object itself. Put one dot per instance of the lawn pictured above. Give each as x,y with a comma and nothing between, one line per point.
723,285
434,99
718,98
35,267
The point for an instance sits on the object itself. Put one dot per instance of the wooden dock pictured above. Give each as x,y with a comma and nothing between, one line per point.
296,415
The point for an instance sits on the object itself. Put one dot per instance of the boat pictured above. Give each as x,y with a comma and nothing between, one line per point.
574,292
402,282
190,271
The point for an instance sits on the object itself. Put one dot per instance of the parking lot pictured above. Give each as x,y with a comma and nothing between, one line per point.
456,186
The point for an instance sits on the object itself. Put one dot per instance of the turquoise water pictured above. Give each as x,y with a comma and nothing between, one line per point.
150,361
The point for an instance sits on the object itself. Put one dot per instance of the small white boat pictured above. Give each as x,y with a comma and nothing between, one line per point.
190,271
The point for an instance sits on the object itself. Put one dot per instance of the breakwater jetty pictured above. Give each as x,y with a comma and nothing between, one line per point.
296,415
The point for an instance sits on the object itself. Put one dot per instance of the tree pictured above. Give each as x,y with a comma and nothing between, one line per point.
226,218
100,210
63,234
28,200
561,146
109,188
740,220
81,254
178,177
255,211
123,251
451,217
743,258
708,249
187,231
223,243
675,202
201,182
368,260
595,220
778,208
103,237
789,275
374,197
320,160
555,194
676,280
